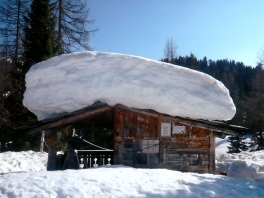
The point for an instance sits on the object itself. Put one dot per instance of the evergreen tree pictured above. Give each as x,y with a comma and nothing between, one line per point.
13,114
38,45
236,144
5,66
203,65
40,35
255,102
192,62
257,141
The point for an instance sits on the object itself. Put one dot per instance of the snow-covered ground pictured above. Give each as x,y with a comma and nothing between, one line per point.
120,181
247,165
23,174
28,161
71,82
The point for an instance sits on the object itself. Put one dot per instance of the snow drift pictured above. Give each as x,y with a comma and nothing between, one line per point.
73,81
23,174
246,165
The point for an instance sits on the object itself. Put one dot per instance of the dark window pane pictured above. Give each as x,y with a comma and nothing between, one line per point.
142,158
153,158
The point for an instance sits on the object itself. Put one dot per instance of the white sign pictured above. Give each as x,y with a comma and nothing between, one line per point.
178,129
165,129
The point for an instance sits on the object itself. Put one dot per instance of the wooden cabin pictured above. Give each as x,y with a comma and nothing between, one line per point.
145,138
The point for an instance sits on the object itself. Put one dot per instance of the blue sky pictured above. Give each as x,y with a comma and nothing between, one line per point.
217,29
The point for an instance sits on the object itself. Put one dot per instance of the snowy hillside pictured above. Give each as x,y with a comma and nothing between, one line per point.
73,81
23,174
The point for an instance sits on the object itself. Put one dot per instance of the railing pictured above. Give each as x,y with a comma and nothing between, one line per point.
94,158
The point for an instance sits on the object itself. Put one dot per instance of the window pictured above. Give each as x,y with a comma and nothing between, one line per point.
147,152
192,159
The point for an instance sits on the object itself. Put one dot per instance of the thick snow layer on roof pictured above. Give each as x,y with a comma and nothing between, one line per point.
73,81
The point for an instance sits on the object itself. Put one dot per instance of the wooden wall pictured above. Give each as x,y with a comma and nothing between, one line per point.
139,141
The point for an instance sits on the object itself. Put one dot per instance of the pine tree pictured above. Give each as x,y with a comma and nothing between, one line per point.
40,36
39,44
236,144
203,65
192,62
255,104
5,66
257,141
19,114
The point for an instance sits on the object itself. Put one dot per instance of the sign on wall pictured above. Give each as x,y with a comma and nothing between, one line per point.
178,129
165,129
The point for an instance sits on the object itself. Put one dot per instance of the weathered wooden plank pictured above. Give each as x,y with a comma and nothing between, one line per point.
52,161
116,121
212,153
170,151
68,120
214,126
173,157
197,138
174,163
118,139
192,151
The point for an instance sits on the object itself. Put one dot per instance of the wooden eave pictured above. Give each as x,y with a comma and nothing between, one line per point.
216,126
65,119
97,108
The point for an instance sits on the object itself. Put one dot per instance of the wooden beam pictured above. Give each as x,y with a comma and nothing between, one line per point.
52,142
212,153
212,128
222,128
68,119
191,151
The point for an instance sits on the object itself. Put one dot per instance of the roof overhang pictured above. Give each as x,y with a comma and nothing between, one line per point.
222,128
66,119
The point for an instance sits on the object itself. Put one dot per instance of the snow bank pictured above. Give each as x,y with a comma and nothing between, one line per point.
221,145
25,161
120,181
246,165
73,81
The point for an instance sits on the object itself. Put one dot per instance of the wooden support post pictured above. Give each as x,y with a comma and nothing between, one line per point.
212,153
118,147
52,142
42,141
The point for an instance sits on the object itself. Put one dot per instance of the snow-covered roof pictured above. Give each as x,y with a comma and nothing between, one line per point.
73,81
